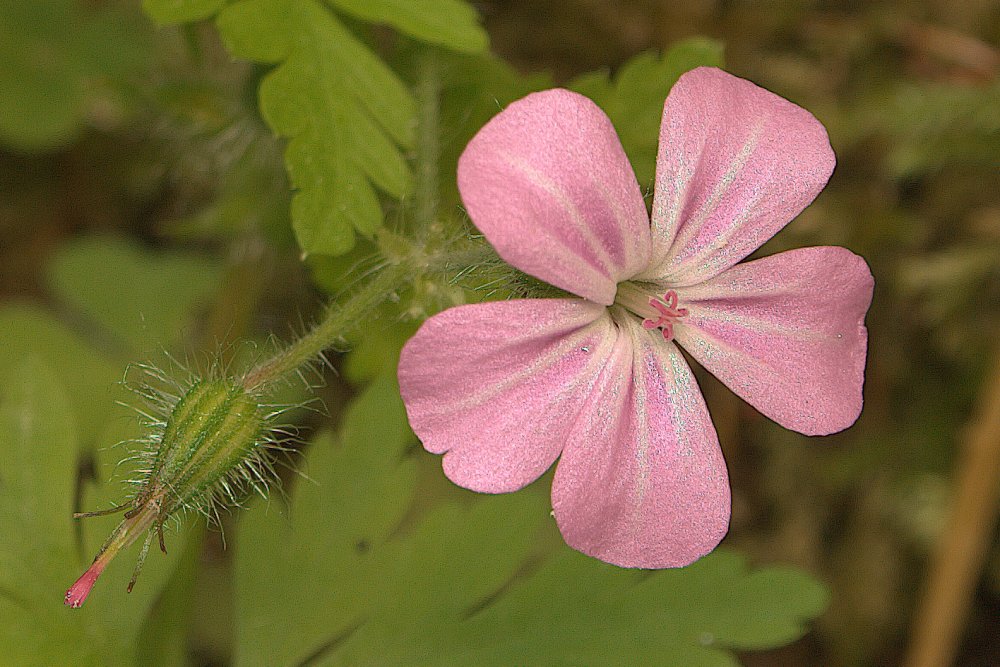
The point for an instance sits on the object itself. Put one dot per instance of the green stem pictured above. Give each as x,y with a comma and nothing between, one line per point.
428,92
406,257
339,321
348,316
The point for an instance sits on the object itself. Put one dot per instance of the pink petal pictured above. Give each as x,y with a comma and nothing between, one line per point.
787,334
642,482
498,385
548,184
736,163
78,592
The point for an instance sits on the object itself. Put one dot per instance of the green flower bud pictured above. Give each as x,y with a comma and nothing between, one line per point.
215,427
211,438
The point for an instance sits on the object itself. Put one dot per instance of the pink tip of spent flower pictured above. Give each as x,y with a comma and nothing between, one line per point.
78,592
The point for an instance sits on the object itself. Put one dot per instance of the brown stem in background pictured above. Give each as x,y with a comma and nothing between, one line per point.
962,549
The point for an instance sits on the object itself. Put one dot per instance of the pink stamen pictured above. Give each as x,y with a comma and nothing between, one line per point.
666,306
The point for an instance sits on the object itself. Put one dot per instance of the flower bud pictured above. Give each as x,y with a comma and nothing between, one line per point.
214,431
214,428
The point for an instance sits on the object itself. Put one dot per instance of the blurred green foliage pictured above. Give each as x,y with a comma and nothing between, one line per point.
60,402
634,99
143,299
63,63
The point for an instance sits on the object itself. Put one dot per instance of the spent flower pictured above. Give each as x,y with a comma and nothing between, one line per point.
503,389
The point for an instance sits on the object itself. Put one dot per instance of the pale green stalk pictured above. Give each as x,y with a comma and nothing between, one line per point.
404,255
339,321
428,93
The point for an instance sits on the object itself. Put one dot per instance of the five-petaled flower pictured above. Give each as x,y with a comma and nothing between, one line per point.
597,380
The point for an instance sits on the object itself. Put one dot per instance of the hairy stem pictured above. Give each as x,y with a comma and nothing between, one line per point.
406,258
339,321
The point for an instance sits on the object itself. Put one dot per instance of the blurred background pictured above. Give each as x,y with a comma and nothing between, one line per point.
897,515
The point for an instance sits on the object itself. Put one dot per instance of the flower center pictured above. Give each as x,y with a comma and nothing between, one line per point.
658,312
668,312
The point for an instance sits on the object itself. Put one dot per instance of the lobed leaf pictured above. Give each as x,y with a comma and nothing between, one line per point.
467,585
347,116
355,493
453,24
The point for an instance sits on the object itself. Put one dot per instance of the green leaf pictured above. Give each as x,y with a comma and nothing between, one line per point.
355,495
346,115
162,641
171,12
35,514
634,99
453,24
460,585
39,557
88,376
694,614
60,61
457,561
144,299
37,426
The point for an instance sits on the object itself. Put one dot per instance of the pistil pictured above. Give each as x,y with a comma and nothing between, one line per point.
658,312
137,522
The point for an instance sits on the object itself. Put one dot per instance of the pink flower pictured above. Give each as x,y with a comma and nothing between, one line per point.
504,388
